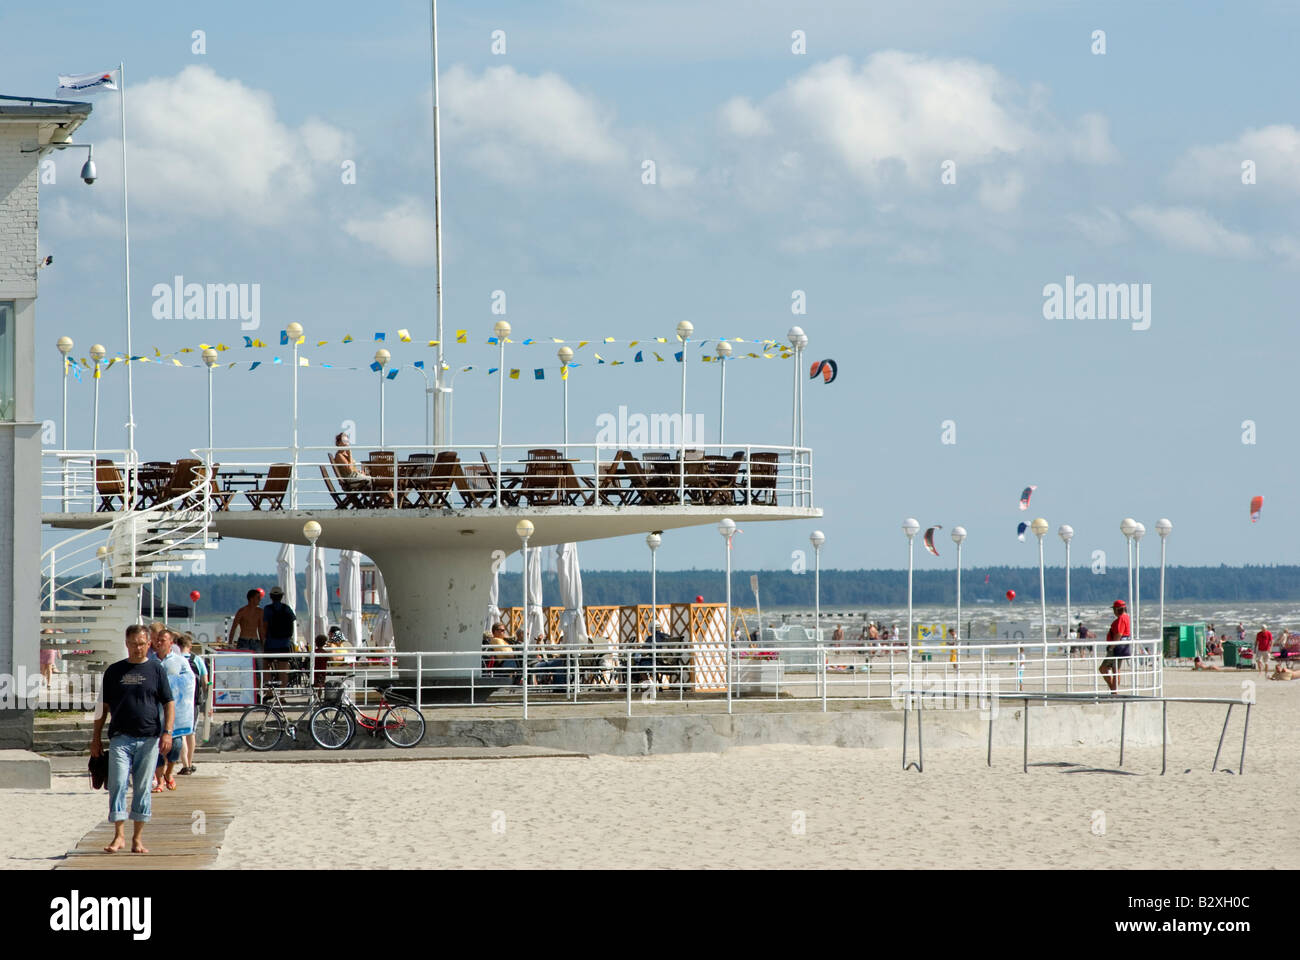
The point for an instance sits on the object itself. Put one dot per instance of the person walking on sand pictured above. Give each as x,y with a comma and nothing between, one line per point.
135,693
247,625
1117,648
181,681
1263,644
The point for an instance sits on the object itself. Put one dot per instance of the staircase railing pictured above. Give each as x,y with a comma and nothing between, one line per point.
86,562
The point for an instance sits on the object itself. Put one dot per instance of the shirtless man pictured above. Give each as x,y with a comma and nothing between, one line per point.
1283,673
248,625
1199,664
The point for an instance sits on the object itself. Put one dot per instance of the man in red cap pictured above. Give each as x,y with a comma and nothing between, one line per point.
1117,638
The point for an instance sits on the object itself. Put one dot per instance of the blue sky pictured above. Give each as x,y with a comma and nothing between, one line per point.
777,172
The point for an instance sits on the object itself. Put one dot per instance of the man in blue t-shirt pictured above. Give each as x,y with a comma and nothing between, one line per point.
180,679
280,623
138,697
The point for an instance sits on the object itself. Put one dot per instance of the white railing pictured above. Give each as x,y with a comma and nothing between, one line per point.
462,476
619,678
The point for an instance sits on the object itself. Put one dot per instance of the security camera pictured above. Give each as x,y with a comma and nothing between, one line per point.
88,172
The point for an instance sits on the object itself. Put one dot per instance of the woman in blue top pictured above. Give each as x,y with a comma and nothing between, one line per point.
200,670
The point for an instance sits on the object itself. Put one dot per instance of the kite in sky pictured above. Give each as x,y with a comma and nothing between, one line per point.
1020,531
929,538
1256,504
1026,494
827,368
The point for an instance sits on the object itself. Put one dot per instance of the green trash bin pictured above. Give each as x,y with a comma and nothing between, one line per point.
1232,653
1184,641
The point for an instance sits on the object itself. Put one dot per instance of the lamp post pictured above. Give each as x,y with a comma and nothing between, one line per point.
102,553
566,356
684,330
958,535
798,340
501,330
817,538
311,530
524,530
382,357
1126,527
1164,528
1139,531
97,353
726,527
653,540
722,351
910,527
210,360
294,332
65,347
1040,527
1066,533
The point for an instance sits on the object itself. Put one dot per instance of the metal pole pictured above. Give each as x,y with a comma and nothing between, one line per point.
681,453
565,382
722,405
1068,649
501,399
525,650
209,419
1161,638
94,430
437,221
817,593
293,493
909,606
959,597
1137,590
1042,606
381,412
126,226
65,408
728,598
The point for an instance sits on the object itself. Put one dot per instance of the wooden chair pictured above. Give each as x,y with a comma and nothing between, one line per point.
220,498
380,465
187,476
543,483
109,484
726,477
762,478
475,483
509,494
431,482
699,479
649,489
342,501
543,454
610,486
274,487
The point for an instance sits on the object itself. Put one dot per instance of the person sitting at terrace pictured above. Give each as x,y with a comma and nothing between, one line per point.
344,465
548,672
498,650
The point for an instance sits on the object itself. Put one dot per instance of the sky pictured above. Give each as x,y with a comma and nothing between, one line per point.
922,174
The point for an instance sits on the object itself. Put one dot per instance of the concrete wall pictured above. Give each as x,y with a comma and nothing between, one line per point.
20,514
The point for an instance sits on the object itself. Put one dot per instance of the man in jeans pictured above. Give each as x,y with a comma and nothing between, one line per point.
279,630
135,693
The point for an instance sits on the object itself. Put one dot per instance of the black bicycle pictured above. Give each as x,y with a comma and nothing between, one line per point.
264,725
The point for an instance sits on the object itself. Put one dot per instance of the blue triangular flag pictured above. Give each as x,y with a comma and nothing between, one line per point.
419,364
393,372
678,356
539,374
284,337
381,336
255,364
637,358
376,365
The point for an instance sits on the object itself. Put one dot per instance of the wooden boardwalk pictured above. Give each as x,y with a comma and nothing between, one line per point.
186,831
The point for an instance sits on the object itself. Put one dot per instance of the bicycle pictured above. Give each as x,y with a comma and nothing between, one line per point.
335,724
263,725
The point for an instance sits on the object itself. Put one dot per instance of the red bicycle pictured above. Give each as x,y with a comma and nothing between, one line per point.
335,722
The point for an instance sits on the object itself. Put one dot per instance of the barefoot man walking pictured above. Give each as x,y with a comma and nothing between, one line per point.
136,693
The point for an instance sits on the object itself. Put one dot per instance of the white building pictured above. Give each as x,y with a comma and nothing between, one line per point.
28,127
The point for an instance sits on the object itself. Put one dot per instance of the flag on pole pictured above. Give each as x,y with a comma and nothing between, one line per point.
84,84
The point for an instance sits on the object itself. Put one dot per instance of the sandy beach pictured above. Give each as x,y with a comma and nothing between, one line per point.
768,806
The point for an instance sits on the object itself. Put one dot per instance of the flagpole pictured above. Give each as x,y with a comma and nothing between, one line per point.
126,222
438,428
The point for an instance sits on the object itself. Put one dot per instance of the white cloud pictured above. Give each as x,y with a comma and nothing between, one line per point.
743,119
1090,143
505,122
203,145
896,112
1185,228
1104,227
1002,196
1214,170
404,232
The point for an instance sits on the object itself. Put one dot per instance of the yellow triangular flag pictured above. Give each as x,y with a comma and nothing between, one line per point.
404,336
514,374
433,343
583,343
461,336
564,372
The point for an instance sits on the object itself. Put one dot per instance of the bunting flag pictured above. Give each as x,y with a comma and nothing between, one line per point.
657,357
514,374
376,365
638,358
462,336
302,362
404,336
392,374
284,337
255,365
678,355
347,338
564,373
380,335
539,374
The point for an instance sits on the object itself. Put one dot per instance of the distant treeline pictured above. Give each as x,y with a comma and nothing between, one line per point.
224,593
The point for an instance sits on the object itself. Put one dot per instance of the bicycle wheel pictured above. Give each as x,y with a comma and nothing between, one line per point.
332,727
261,728
403,725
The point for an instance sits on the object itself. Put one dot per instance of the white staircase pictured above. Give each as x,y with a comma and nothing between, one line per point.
91,583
